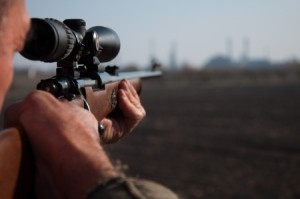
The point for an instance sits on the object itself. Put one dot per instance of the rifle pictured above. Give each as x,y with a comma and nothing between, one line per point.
79,53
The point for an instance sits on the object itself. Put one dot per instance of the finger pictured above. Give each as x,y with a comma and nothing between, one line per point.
131,110
129,89
11,115
125,103
113,131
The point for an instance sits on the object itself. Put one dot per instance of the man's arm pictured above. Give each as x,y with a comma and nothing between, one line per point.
65,141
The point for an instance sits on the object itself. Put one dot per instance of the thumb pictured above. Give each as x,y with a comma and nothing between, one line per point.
12,115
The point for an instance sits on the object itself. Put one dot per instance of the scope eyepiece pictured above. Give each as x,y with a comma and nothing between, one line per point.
50,40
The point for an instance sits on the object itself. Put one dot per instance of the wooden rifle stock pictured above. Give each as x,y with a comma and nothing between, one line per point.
16,160
16,165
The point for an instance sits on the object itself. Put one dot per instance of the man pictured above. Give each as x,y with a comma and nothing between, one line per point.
69,159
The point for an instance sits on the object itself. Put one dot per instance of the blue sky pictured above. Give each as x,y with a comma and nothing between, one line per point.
198,28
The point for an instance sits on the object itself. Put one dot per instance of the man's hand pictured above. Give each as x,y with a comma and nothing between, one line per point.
65,141
130,115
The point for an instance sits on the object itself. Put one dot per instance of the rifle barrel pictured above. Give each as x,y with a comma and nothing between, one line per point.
107,78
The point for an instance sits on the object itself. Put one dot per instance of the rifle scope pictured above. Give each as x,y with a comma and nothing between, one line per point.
50,40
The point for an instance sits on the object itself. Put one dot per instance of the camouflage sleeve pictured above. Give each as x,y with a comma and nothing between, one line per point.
114,189
131,188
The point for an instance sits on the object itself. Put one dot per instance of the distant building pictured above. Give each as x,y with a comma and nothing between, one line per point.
222,62
219,62
258,63
226,61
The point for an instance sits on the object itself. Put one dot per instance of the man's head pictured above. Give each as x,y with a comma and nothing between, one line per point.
14,24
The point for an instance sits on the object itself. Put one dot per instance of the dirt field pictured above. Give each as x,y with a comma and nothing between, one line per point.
211,136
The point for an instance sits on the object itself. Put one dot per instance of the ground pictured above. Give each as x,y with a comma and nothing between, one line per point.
212,136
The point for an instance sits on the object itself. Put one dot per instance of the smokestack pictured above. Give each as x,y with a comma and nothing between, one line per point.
229,48
173,56
246,51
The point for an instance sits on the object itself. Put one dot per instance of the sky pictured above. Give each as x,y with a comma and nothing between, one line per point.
196,30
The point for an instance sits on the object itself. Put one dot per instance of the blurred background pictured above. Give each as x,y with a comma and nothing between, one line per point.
191,33
223,121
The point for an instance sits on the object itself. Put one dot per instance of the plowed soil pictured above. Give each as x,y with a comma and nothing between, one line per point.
213,137
219,139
